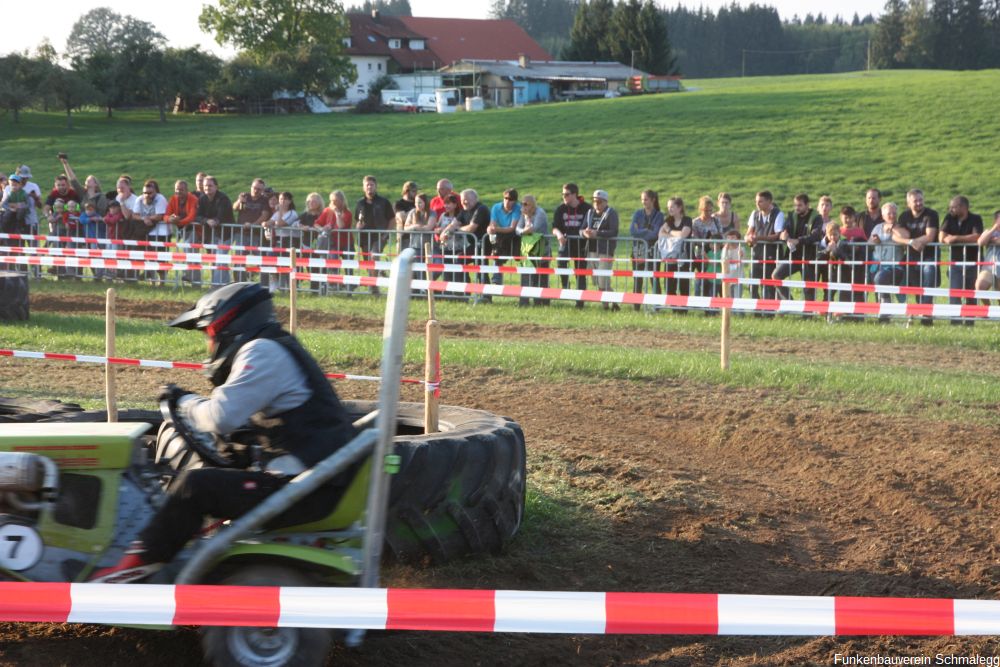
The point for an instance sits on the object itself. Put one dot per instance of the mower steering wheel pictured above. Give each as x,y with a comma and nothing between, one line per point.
202,443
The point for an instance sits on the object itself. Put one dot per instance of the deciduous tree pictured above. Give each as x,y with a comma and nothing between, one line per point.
269,30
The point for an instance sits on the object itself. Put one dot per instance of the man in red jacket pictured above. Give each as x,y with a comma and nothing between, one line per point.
181,211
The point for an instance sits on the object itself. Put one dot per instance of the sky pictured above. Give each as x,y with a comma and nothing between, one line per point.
178,19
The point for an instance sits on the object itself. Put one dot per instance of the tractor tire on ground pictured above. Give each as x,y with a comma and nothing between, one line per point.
13,296
266,647
457,492
14,410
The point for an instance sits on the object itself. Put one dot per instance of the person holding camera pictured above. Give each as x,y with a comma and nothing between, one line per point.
251,210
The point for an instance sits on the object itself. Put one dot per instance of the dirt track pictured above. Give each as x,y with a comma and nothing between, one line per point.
694,489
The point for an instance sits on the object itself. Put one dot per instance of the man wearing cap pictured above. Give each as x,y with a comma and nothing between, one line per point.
14,209
33,191
600,227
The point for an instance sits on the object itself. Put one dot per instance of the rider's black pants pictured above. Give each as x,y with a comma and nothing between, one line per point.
224,493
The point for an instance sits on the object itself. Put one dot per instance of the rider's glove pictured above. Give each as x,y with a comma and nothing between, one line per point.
172,394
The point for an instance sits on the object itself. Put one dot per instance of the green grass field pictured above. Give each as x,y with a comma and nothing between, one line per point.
833,134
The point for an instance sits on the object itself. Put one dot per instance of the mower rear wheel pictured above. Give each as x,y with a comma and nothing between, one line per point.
266,647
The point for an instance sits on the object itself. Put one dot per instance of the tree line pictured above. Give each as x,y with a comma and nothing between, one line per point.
754,40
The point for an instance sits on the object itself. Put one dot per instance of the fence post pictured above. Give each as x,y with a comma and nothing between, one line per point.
726,314
293,301
110,389
432,355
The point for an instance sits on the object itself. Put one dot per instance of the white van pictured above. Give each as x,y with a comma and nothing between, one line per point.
427,102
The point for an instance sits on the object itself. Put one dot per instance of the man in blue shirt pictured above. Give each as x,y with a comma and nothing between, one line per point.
500,232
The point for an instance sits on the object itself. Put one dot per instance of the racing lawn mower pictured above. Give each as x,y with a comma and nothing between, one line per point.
74,495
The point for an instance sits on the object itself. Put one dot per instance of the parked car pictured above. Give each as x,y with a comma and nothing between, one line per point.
399,103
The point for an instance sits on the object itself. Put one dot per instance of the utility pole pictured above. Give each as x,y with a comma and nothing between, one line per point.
744,69
868,67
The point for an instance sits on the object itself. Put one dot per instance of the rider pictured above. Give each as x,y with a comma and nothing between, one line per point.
265,382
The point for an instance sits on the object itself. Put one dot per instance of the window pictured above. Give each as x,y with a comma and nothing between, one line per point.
347,42
369,67
395,43
417,44
380,67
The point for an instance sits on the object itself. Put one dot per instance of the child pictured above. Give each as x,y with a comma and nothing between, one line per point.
832,249
71,218
849,228
92,227
91,222
114,220
57,218
856,254
731,258
14,207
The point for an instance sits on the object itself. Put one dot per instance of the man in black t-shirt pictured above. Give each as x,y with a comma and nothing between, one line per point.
372,213
474,218
567,222
961,230
871,216
922,223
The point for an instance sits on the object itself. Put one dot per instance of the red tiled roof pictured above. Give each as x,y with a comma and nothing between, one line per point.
369,37
490,39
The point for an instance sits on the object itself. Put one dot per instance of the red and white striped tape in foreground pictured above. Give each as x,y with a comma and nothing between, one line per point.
495,611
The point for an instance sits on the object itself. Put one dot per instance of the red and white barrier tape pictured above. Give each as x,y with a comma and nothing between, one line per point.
307,250
152,363
195,261
495,611
553,293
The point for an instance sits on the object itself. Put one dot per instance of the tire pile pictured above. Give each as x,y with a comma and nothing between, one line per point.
13,296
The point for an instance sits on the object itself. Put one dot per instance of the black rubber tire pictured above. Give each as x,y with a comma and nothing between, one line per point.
13,410
457,492
246,646
13,296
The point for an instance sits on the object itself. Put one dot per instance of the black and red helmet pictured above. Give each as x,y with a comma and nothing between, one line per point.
231,315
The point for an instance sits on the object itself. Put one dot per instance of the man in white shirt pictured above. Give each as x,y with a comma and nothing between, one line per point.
764,229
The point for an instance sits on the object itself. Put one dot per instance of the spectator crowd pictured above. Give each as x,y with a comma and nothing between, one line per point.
879,243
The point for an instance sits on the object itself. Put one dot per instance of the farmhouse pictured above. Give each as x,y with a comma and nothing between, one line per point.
415,47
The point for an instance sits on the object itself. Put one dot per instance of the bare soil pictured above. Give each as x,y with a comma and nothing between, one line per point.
679,487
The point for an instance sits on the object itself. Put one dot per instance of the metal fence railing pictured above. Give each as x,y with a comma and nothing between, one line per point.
620,264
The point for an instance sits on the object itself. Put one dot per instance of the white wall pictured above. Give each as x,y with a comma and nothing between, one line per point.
369,68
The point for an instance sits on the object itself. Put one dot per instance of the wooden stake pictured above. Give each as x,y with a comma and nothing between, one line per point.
432,375
432,356
293,317
726,314
110,387
430,292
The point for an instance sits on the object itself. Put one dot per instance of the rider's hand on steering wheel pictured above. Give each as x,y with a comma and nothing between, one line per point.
171,393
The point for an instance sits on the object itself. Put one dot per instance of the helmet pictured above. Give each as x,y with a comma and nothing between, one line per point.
231,316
